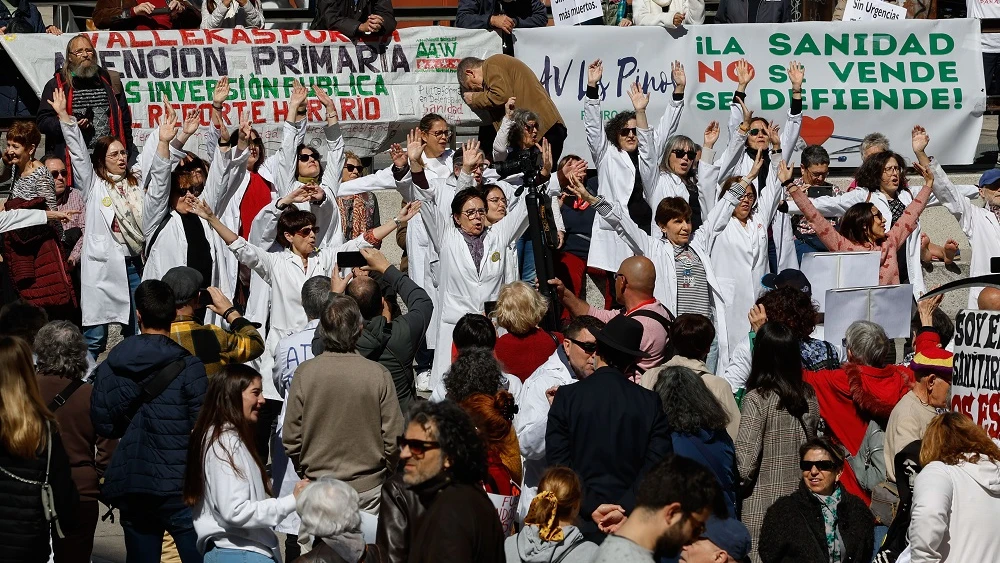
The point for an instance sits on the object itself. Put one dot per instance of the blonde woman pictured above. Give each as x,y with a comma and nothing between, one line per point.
35,476
549,533
525,347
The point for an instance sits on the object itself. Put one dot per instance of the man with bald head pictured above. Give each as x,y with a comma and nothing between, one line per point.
989,299
634,284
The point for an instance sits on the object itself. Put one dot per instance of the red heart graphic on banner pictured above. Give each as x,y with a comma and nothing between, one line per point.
816,131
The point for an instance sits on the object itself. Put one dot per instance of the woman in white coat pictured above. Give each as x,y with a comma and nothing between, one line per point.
111,259
980,224
472,256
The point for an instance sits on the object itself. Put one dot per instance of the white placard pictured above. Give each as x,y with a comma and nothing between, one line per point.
572,12
975,389
886,305
835,270
867,10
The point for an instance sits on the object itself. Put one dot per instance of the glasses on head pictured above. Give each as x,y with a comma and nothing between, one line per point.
417,447
531,127
350,167
306,231
473,213
497,199
82,52
57,173
442,134
891,169
756,131
681,153
626,131
588,347
307,156
822,465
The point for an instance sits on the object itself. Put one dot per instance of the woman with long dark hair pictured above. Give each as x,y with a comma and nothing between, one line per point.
780,412
35,482
225,482
698,426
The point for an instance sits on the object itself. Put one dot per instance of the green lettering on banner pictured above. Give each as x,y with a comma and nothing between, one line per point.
779,44
866,72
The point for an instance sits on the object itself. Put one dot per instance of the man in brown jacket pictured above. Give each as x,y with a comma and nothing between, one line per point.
342,417
487,85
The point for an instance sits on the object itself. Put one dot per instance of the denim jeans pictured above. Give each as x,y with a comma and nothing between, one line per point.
526,256
97,335
220,555
144,518
805,244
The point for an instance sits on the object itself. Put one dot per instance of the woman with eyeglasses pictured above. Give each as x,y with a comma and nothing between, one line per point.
114,195
863,226
225,482
820,522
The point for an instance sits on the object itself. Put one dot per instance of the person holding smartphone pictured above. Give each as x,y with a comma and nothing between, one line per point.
815,166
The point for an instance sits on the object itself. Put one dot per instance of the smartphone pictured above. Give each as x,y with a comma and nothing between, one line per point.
820,191
351,260
205,298
489,308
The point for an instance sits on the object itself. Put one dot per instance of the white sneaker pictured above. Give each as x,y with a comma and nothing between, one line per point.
423,381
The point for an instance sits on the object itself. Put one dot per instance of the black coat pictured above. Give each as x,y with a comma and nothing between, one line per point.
346,15
475,14
24,533
611,432
793,530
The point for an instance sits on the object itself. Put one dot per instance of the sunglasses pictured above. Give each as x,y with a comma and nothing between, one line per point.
306,231
626,131
681,153
822,465
531,127
417,447
473,213
193,190
306,157
58,173
588,347
348,167
756,131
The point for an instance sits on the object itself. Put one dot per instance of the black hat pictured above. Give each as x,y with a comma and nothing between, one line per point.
787,278
185,282
623,334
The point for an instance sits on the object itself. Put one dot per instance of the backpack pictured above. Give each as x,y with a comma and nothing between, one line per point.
869,463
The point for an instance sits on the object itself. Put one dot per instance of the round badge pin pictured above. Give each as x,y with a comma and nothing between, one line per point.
106,202
495,257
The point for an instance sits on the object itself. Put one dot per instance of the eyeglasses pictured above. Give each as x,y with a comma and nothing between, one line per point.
417,447
82,52
57,173
626,131
116,154
306,231
756,131
473,213
531,127
350,167
749,196
307,156
622,276
497,199
588,347
822,465
681,153
891,169
443,134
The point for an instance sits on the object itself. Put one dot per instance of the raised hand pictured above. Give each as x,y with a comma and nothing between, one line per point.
299,94
757,162
744,73
680,79
192,122
221,92
546,157
919,139
301,194
244,131
640,100
376,260
338,283
509,107
747,112
711,135
408,211
577,188
398,155
796,74
784,171
472,157
168,124
926,172
198,207
594,72
774,134
575,169
415,147
58,103
331,108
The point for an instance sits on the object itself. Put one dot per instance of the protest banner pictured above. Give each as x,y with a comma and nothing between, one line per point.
887,305
860,77
867,10
382,87
572,12
835,270
975,389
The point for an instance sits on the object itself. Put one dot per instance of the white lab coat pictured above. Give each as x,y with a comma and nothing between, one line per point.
656,183
657,248
662,12
105,296
837,205
739,260
980,225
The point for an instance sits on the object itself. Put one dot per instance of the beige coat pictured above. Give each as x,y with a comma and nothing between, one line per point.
719,388
506,77
908,422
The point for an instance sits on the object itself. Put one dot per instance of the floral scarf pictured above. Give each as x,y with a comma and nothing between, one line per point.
128,203
834,543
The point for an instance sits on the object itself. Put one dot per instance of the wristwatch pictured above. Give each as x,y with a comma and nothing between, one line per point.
397,221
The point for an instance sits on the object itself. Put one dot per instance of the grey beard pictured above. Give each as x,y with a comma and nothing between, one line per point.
89,71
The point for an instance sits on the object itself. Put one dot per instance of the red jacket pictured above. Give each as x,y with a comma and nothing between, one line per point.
35,262
850,397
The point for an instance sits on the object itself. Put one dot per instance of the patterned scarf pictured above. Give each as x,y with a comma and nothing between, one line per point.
834,543
128,203
995,209
897,208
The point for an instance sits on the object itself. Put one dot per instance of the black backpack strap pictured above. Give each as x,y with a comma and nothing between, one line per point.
156,234
664,321
154,386
63,396
572,546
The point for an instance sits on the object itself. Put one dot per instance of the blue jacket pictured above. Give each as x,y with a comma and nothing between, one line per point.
715,451
152,452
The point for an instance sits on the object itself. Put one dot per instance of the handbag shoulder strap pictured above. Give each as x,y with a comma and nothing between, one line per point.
63,396
154,386
576,543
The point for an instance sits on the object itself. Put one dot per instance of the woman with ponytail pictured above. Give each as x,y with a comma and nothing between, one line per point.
549,535
225,483
493,417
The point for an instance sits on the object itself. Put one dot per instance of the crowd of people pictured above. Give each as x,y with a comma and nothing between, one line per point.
285,393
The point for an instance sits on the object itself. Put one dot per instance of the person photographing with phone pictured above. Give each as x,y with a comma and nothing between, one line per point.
815,166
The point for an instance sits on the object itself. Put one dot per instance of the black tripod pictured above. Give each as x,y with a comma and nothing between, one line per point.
544,239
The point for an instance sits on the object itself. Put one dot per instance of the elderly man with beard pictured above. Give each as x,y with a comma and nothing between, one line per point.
95,97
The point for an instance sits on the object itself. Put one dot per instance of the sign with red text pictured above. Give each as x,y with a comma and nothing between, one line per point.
382,87
975,389
860,77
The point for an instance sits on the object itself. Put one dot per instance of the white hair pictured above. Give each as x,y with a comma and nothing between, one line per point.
328,508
